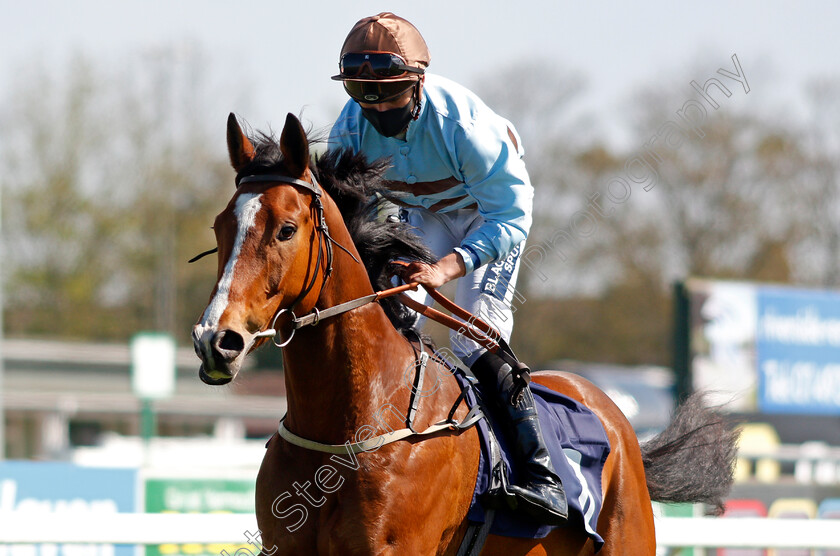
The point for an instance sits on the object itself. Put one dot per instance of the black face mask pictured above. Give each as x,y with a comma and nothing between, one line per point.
390,122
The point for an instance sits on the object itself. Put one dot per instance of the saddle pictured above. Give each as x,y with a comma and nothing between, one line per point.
575,438
578,446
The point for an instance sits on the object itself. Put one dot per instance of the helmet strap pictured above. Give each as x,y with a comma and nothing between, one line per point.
417,100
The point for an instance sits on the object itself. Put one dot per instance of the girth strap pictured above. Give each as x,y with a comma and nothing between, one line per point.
476,535
371,444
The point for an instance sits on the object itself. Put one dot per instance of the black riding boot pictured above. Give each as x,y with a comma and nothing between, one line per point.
540,492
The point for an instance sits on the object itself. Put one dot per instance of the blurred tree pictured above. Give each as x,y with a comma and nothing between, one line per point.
721,212
817,190
111,181
543,106
727,204
108,177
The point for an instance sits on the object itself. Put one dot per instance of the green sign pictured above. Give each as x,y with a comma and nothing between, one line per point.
199,496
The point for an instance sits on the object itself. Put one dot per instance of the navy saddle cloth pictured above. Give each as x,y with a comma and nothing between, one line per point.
578,446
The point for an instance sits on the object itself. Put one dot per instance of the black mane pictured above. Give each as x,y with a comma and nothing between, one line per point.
358,188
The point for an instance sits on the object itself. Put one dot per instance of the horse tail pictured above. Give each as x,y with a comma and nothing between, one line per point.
693,459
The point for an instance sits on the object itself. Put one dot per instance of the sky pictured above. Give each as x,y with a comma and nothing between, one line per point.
279,55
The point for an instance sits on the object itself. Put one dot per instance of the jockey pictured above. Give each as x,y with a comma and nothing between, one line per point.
457,171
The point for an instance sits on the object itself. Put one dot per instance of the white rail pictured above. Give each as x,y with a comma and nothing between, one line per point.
19,527
238,528
748,532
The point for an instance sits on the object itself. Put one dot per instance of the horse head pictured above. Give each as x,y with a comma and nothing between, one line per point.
269,256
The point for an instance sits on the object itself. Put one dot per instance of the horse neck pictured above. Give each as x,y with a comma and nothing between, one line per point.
341,371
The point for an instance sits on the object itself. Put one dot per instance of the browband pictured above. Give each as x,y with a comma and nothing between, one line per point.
313,187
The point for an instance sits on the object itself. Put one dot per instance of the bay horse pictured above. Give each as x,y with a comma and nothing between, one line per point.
285,249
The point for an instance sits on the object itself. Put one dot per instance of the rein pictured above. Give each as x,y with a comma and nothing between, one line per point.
480,331
473,326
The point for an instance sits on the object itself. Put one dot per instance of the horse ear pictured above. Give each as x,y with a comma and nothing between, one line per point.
294,145
240,149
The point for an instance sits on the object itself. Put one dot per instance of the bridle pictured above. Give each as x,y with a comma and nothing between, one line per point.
477,329
325,243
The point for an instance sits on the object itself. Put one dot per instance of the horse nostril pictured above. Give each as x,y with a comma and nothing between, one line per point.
229,341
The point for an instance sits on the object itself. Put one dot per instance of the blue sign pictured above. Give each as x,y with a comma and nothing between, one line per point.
798,351
49,490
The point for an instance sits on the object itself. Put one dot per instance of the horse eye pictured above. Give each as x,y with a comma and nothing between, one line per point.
286,233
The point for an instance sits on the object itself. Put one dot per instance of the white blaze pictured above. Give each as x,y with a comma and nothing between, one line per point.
247,207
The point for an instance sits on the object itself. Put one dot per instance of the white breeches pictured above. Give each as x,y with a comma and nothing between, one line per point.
488,292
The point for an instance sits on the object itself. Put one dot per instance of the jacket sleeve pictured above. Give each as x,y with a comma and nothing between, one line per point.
490,160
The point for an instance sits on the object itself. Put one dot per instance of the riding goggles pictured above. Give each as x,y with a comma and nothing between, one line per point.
376,65
374,92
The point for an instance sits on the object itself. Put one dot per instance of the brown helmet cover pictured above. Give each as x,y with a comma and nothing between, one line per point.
387,32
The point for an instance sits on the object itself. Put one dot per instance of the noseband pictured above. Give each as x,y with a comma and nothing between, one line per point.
323,234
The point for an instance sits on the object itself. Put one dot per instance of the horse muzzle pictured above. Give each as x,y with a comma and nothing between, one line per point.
219,378
221,353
